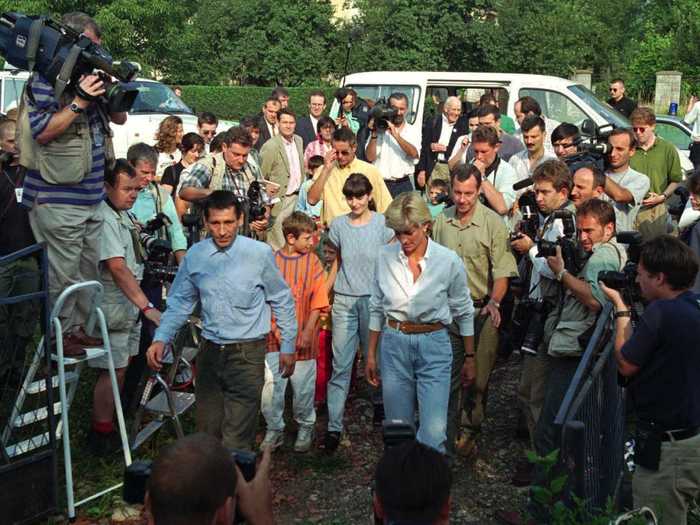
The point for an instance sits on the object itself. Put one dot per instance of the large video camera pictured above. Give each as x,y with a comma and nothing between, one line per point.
592,146
62,56
625,281
382,114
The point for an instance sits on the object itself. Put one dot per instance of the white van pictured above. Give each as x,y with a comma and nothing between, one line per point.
154,102
562,100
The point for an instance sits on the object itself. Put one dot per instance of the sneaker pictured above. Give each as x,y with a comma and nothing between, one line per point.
305,437
273,439
331,442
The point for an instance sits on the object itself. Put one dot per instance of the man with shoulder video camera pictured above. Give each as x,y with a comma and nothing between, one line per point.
660,359
65,142
540,223
394,144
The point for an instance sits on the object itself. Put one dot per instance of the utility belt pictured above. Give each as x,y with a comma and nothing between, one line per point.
648,439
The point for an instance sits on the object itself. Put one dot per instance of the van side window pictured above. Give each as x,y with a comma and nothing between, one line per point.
469,95
555,105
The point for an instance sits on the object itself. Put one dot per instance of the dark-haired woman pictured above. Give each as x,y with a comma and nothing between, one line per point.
191,148
358,236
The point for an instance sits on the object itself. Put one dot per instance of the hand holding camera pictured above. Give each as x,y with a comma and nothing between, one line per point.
89,88
521,243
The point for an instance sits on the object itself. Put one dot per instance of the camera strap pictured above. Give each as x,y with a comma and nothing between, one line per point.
67,70
33,41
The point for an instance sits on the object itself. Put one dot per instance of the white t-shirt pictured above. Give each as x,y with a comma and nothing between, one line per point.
626,213
392,162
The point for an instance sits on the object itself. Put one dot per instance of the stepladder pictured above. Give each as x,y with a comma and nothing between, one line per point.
64,376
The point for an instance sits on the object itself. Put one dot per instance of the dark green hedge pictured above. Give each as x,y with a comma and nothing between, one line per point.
234,102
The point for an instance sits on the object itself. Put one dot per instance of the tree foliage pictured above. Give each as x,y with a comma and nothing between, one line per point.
297,42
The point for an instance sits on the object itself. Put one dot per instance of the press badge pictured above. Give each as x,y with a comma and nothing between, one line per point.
18,195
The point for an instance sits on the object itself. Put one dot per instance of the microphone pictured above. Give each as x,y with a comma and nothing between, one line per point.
523,184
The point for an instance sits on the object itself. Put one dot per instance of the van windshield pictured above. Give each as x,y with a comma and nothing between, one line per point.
603,109
373,93
155,97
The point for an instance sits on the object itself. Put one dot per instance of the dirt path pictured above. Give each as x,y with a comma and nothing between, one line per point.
313,488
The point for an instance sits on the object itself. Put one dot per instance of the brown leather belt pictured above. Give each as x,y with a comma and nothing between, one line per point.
407,327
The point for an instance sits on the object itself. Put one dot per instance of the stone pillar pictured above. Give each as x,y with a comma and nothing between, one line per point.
668,89
583,76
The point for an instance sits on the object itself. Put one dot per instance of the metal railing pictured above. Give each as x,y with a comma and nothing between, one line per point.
592,419
33,472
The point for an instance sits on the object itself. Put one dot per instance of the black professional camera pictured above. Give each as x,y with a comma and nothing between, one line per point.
382,115
62,56
528,325
574,256
530,221
156,267
626,280
256,202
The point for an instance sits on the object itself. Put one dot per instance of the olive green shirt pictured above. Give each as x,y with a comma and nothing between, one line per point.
660,163
482,244
574,318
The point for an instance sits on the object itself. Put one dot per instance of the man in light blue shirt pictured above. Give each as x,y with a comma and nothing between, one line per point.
239,286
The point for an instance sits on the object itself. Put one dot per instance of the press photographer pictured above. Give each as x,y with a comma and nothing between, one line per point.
552,186
660,359
17,321
394,144
195,481
121,259
65,143
231,171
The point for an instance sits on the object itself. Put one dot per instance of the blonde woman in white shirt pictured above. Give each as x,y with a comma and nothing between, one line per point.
419,289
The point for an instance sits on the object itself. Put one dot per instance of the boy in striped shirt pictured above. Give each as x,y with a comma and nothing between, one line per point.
303,272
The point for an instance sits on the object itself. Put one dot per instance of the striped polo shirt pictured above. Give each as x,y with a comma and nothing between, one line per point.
87,192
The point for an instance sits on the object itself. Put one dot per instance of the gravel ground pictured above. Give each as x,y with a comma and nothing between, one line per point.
314,488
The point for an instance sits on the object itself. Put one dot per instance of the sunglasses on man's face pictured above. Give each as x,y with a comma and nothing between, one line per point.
614,90
640,130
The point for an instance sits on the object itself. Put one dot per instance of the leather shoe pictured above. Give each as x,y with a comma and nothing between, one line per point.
512,517
86,340
523,474
71,347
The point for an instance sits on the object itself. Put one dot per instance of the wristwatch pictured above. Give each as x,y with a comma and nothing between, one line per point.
75,108
622,313
560,275
148,307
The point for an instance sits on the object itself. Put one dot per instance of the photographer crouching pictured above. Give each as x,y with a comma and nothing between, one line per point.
195,481
660,357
